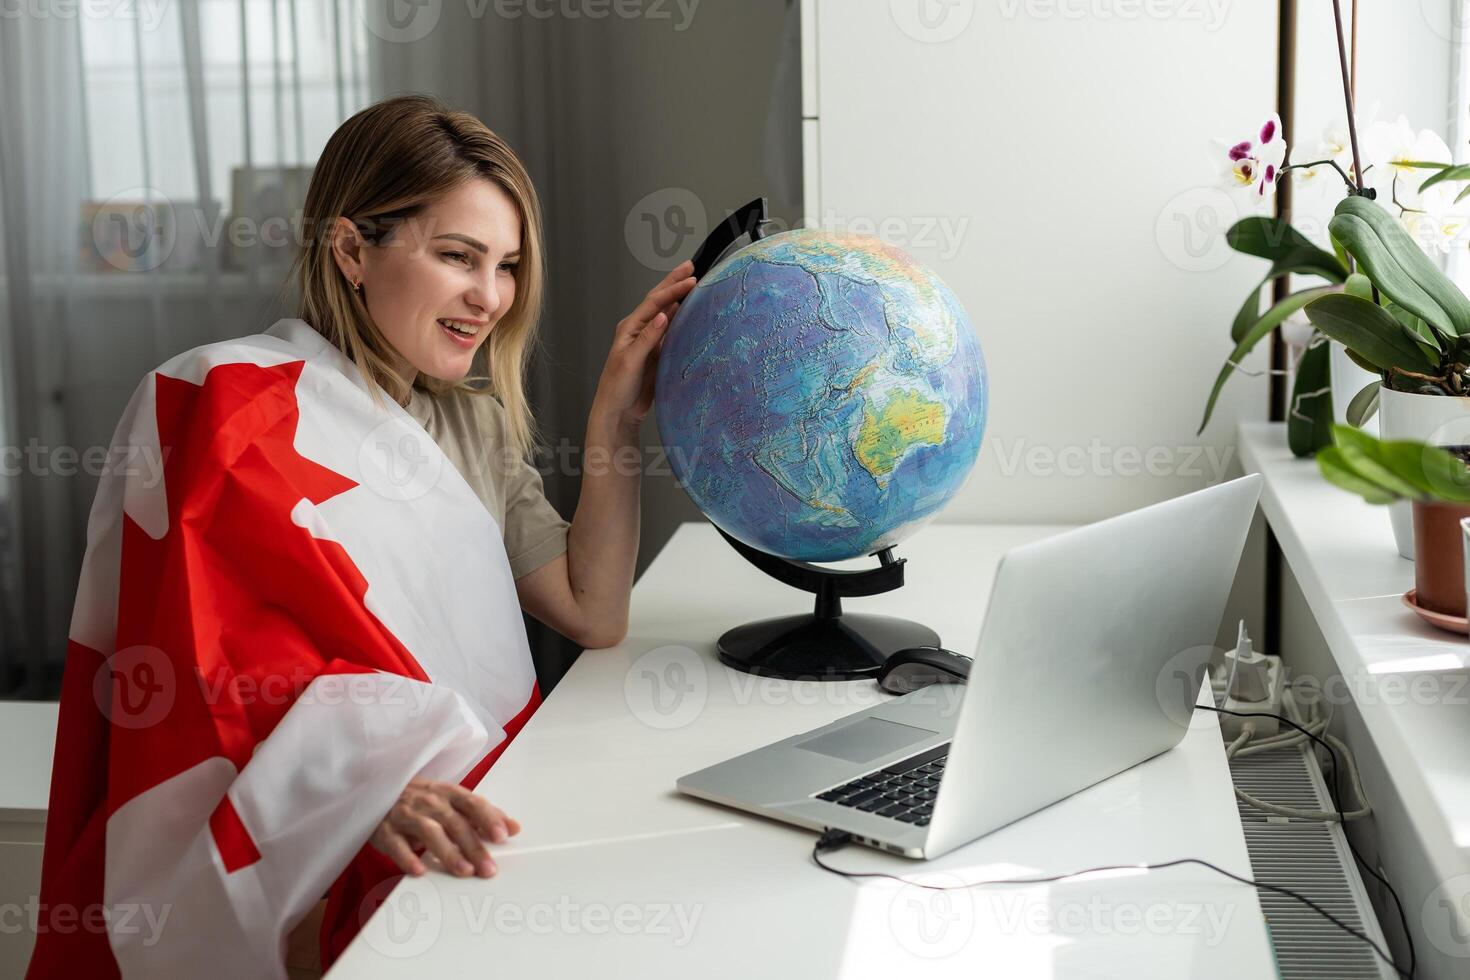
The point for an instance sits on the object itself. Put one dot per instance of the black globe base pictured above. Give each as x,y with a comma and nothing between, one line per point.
824,644
806,647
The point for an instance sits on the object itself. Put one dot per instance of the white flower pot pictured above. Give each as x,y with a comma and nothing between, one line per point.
1439,420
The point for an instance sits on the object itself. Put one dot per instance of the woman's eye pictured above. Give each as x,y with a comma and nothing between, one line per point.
457,255
509,266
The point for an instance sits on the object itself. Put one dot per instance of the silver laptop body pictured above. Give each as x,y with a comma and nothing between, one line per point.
1090,659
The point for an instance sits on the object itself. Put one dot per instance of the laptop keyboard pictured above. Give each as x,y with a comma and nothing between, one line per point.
904,791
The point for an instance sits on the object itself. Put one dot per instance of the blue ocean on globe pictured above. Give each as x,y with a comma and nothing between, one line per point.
821,395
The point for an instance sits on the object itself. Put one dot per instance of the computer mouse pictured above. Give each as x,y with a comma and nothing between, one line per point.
915,667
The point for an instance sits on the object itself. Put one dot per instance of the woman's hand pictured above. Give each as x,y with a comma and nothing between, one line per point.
625,391
446,820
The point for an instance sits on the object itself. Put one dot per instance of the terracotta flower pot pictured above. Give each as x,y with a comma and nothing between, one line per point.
1435,419
1439,562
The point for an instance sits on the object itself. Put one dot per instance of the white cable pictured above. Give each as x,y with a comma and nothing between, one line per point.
1230,680
1241,739
1316,723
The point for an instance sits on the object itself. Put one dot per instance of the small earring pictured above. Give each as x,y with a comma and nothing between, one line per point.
357,286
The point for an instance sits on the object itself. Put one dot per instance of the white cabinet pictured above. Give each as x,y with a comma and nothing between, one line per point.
28,738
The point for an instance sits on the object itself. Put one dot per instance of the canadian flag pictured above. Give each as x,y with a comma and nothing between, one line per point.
291,604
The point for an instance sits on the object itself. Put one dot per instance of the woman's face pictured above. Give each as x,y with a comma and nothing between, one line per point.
454,261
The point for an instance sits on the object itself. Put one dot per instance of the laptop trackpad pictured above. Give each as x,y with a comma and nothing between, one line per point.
865,740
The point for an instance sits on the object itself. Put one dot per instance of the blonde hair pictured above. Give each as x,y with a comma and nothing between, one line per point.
388,163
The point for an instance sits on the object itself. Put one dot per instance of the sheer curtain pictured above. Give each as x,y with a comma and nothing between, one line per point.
151,162
147,162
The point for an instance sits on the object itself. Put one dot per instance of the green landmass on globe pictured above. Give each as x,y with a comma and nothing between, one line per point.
821,395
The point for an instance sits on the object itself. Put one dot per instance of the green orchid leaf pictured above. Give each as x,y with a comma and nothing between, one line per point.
1446,474
1309,416
1288,249
1267,237
1369,466
1339,251
1307,264
1446,172
1268,322
1250,312
1358,360
1359,285
1364,404
1335,470
1411,470
1369,331
1419,332
1422,328
1397,266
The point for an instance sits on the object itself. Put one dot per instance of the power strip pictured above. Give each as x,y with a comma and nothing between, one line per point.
1251,683
1231,726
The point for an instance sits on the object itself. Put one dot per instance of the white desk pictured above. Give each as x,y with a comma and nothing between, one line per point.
614,874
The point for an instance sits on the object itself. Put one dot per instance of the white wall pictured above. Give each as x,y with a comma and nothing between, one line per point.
1069,162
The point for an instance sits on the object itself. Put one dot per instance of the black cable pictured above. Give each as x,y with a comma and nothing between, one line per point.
834,839
818,848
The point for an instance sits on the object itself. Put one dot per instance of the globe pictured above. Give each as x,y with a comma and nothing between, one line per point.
821,396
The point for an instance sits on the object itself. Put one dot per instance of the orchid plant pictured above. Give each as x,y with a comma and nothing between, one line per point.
1378,292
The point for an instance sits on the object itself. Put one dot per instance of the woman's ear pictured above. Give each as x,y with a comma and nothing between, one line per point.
348,246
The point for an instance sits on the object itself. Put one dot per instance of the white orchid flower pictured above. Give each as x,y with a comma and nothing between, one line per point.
1390,147
1296,331
1255,164
1436,221
1336,145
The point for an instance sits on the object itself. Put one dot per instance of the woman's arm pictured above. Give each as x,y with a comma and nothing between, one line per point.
584,594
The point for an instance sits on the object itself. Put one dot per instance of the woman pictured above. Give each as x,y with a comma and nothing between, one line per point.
437,277
289,663
414,288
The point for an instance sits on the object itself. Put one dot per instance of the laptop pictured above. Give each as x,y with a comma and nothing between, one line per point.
1090,661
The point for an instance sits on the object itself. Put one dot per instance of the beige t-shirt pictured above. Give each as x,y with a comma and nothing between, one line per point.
473,432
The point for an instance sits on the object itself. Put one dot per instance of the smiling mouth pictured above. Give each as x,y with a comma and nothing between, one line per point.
463,329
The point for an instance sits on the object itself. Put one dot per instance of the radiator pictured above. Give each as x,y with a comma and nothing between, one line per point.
1312,859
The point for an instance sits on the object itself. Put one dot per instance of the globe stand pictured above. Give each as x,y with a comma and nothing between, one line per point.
825,645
